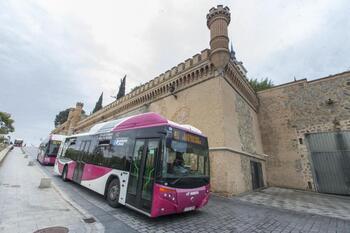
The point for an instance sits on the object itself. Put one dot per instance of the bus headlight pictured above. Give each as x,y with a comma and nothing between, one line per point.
207,190
168,194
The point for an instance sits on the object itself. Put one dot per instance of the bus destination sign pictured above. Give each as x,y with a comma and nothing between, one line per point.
187,137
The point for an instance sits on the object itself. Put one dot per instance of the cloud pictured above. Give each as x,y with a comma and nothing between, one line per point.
55,53
315,53
40,60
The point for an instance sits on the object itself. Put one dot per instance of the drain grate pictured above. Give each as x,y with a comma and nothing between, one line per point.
89,220
53,230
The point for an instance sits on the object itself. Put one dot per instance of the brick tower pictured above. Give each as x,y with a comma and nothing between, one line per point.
218,20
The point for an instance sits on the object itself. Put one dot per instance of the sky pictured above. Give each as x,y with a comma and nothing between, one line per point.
54,53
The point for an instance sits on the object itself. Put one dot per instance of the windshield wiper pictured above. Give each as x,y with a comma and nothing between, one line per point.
177,180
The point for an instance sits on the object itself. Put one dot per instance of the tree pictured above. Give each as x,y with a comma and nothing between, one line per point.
121,91
62,116
98,105
6,123
260,85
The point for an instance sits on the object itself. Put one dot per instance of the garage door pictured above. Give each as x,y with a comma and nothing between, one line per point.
330,154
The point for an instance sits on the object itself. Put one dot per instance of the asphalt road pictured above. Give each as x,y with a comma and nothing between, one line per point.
220,215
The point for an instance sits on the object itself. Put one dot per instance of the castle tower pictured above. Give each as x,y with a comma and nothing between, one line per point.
218,20
74,117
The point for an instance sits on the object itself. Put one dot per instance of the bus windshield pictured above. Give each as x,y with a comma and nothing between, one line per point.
184,159
53,148
18,142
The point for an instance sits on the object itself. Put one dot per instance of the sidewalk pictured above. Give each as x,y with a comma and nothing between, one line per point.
26,208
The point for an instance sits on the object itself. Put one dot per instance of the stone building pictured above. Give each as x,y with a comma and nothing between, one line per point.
301,124
255,139
74,116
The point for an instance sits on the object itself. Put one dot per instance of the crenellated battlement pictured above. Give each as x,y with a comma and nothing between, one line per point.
220,10
240,83
185,74
178,77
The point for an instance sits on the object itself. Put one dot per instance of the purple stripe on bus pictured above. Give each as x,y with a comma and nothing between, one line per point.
60,166
92,172
71,167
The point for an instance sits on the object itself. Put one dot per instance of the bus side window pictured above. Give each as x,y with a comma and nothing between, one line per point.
88,156
118,153
46,148
82,145
106,155
71,151
81,155
93,150
87,146
97,156
64,148
40,148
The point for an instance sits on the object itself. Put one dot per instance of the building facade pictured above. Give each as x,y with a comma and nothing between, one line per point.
302,125
253,137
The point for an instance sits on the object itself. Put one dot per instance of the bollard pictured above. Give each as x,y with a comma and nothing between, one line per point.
31,163
45,183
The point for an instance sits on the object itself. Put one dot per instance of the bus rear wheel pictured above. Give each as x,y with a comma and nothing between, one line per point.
64,174
113,193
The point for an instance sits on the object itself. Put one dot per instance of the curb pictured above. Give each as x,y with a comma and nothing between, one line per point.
99,228
97,225
3,154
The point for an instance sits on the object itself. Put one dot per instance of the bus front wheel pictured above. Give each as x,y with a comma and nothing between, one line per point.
64,174
113,192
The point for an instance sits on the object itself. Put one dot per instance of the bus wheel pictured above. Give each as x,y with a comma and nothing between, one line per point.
113,193
64,174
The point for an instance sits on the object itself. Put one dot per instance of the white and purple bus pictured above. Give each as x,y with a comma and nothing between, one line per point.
48,149
145,162
18,142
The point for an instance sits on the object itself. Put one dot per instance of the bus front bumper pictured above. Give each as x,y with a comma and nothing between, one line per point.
168,200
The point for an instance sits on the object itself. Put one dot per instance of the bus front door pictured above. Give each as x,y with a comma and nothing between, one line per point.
142,172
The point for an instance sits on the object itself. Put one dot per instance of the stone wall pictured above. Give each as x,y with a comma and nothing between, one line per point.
242,140
288,112
245,125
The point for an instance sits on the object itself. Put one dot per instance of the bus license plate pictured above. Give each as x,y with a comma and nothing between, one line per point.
189,208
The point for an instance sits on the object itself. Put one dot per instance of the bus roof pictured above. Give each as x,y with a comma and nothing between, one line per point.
144,120
57,137
54,137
